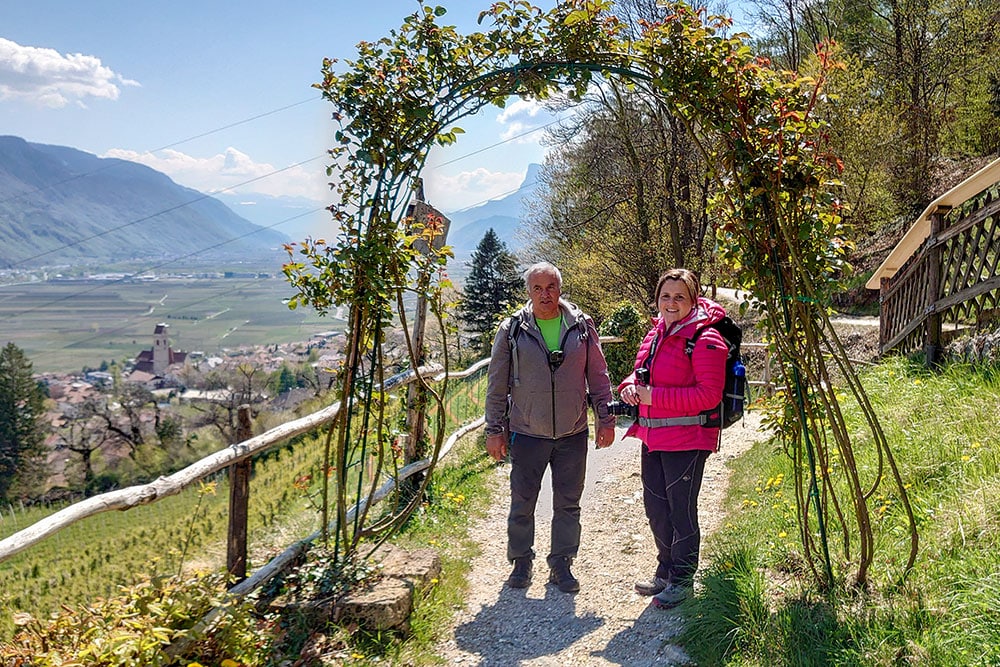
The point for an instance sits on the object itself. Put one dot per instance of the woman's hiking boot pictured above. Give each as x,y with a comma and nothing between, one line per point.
520,577
560,575
671,596
652,586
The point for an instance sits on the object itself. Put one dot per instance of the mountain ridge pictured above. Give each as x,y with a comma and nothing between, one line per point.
60,205
504,215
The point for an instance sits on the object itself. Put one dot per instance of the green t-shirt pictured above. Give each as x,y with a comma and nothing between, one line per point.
550,331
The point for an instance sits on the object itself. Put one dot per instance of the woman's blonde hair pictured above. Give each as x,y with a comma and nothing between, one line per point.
689,278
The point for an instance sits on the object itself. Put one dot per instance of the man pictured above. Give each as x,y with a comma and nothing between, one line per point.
546,366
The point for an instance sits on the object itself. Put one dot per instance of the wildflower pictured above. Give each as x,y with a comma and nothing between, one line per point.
782,534
966,458
976,445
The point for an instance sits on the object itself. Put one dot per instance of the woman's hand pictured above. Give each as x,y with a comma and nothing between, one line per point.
636,394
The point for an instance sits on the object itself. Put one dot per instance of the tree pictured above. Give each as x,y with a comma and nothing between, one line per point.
492,289
626,198
21,430
82,433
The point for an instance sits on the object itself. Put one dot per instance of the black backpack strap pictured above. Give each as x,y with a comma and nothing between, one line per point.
514,327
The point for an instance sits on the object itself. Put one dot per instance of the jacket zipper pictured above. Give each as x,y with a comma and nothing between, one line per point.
552,375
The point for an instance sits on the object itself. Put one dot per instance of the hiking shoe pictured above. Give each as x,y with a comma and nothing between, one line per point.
671,596
560,575
651,586
520,577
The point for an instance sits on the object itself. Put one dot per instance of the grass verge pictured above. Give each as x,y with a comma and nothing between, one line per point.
758,605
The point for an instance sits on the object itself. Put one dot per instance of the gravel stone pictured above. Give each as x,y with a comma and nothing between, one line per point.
606,623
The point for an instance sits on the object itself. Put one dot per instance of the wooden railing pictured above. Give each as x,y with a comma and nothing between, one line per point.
134,496
464,413
951,283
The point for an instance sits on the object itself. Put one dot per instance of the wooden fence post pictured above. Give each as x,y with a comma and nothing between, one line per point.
239,504
932,331
416,398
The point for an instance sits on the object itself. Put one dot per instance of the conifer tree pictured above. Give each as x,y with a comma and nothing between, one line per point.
492,289
21,433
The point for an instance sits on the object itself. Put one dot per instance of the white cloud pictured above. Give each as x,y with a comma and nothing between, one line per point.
522,116
470,188
234,171
48,78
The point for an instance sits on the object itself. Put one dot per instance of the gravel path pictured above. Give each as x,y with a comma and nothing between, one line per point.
606,623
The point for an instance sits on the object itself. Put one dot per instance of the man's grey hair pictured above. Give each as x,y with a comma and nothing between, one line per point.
541,267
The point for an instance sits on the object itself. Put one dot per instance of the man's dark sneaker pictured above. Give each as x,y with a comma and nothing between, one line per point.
671,596
560,575
651,586
520,577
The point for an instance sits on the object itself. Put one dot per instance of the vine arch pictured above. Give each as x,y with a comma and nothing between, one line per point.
779,219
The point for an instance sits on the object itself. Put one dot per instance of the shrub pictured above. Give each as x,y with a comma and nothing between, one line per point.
630,324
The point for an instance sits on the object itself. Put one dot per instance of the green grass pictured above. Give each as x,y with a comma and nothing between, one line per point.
95,557
459,493
100,556
758,605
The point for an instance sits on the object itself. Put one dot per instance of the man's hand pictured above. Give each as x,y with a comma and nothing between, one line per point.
605,436
496,446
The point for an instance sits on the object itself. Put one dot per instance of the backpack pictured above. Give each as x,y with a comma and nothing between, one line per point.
734,393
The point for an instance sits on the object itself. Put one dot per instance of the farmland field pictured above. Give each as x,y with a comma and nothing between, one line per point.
63,326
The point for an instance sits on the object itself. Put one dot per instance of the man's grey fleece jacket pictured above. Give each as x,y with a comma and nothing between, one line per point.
547,400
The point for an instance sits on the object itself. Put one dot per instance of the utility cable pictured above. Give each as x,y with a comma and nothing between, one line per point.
113,165
232,187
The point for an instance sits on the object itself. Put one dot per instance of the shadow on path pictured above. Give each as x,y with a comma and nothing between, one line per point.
521,627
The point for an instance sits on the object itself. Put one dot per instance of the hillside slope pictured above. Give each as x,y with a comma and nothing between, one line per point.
61,206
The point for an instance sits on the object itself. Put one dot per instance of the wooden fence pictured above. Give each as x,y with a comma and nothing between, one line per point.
952,281
229,458
464,412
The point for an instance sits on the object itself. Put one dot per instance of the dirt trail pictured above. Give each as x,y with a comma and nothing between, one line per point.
606,623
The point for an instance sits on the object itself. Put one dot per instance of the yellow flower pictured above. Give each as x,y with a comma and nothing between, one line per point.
966,457
977,445
782,534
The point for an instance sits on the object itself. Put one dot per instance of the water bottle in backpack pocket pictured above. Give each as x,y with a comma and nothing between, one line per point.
735,392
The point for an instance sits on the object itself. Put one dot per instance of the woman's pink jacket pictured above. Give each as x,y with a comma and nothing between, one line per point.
682,386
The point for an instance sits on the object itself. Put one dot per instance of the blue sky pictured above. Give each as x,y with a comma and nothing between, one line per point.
218,93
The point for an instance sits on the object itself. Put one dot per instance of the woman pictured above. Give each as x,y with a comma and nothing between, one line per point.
682,390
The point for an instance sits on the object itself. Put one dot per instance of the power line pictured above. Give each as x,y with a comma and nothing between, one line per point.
232,187
112,165
202,197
